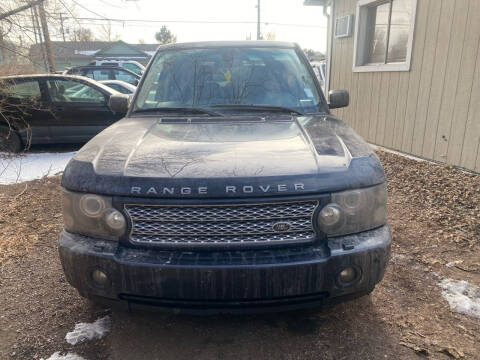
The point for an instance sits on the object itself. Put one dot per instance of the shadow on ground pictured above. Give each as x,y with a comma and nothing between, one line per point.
54,148
348,331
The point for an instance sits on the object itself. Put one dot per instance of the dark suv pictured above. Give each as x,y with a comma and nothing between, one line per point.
227,187
105,72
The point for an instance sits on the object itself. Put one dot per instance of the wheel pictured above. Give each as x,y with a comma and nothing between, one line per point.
9,140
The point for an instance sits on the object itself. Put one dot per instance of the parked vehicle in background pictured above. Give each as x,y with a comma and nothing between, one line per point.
42,109
131,65
105,73
121,86
320,69
228,187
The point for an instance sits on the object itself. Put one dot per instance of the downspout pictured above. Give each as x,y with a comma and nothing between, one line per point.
331,19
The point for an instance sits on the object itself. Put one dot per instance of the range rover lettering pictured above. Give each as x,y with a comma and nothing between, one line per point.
227,187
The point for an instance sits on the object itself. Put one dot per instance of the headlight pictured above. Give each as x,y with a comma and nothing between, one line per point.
354,211
93,215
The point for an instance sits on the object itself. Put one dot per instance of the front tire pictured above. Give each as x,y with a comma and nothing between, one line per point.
10,141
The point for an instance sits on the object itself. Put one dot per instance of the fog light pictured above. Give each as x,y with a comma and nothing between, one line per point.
330,215
347,276
99,277
115,220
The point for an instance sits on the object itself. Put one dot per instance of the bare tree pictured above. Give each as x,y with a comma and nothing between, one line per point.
14,109
107,34
82,34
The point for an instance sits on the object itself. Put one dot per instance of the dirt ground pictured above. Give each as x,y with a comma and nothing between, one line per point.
434,212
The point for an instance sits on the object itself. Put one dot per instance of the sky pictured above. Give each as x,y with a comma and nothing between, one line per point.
309,29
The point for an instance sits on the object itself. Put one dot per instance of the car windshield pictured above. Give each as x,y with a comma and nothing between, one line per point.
224,77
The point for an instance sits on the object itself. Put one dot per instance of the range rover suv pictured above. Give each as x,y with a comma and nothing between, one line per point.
228,187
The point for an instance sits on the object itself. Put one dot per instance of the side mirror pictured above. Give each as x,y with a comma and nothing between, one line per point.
119,103
338,99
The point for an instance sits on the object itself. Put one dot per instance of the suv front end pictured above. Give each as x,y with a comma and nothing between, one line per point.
225,206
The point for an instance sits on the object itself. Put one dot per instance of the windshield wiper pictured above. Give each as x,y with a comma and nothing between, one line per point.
186,109
257,108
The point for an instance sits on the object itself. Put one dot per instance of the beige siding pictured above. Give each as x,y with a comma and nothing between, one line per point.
433,110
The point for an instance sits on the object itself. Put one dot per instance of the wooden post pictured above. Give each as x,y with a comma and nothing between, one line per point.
46,36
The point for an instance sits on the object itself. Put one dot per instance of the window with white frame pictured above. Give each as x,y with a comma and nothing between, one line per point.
384,35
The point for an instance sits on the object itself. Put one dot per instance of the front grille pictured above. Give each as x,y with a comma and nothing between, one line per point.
221,224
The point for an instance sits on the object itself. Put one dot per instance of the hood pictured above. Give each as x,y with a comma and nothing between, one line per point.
228,156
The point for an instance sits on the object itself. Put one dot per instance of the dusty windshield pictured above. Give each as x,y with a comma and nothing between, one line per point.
208,78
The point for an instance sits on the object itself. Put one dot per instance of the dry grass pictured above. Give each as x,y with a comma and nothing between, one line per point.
28,211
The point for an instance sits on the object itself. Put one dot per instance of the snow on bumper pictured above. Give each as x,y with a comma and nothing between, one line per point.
226,280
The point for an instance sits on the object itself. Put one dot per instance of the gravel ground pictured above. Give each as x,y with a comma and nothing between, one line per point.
434,212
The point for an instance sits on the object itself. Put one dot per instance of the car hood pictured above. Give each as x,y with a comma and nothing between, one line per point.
229,156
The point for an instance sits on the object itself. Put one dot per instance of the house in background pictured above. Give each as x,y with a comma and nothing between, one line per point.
412,68
8,53
75,53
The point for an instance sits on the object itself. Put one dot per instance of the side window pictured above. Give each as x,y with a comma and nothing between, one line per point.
119,88
114,86
72,91
132,67
124,76
25,90
100,74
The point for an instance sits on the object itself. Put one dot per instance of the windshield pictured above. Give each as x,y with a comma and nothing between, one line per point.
204,78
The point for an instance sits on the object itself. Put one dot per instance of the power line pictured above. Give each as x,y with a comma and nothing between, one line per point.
21,8
77,18
66,7
90,11
194,22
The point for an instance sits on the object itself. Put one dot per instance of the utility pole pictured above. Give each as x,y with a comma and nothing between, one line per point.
42,44
258,20
46,36
61,27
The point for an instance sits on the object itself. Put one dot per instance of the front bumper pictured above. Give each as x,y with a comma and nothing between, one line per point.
226,281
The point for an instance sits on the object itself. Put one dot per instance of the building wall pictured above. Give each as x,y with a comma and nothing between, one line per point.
433,110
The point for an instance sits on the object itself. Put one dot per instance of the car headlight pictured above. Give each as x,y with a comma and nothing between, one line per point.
354,211
91,214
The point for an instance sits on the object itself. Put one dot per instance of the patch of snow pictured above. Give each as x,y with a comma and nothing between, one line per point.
68,356
88,331
16,169
86,52
462,296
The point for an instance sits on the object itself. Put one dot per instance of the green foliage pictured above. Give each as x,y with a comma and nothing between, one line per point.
165,36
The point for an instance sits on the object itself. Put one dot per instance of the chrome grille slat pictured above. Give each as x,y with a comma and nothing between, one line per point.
216,228
220,224
269,238
221,213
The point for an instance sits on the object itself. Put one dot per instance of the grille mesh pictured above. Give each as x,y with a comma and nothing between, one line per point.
217,224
